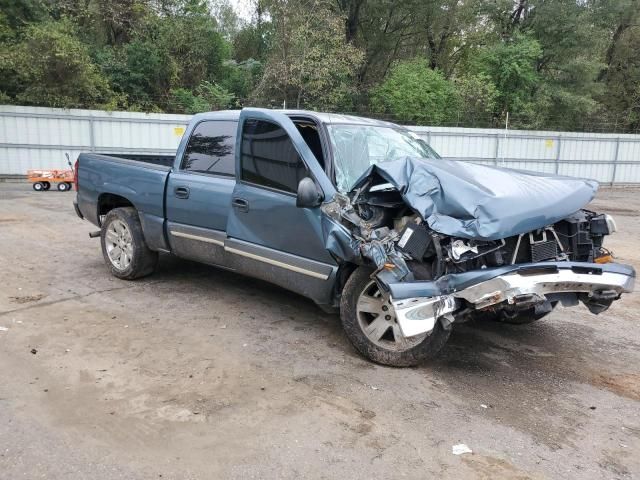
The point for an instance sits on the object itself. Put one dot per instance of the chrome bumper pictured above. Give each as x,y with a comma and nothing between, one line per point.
510,285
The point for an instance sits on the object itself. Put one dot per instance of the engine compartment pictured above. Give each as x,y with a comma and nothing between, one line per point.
388,229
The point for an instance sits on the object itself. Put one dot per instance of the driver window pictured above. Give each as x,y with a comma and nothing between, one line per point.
269,158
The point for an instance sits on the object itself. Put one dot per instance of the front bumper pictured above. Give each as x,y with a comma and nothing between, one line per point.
419,305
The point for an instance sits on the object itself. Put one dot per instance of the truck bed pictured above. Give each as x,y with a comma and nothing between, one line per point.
140,179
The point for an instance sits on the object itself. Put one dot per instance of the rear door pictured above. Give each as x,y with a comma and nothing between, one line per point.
268,236
199,192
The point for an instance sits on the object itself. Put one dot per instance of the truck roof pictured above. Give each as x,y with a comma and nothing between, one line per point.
323,117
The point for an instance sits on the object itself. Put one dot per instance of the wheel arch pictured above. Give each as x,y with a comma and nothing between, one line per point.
109,201
345,270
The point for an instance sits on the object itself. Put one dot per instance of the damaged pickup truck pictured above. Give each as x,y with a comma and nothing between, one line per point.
361,216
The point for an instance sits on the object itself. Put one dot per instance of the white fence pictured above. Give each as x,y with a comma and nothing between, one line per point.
34,137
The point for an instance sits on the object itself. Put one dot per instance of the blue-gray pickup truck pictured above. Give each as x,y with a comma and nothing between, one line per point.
361,216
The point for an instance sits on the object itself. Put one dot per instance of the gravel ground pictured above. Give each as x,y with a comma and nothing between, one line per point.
200,373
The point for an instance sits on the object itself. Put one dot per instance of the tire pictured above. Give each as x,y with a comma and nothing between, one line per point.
47,185
38,186
69,186
123,247
63,187
388,349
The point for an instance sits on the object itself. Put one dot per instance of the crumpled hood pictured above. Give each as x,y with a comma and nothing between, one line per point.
467,200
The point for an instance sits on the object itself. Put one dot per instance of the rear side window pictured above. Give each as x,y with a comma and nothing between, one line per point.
269,157
211,148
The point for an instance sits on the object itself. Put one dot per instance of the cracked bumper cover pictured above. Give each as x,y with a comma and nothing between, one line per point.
420,304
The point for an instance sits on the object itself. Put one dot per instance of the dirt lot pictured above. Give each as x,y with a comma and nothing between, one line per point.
199,373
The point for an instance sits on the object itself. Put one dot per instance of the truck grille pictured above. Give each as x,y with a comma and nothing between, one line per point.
541,251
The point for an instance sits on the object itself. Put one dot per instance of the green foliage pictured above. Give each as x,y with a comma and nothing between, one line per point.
413,93
478,98
207,97
562,64
621,74
56,70
20,13
310,63
241,77
178,51
511,67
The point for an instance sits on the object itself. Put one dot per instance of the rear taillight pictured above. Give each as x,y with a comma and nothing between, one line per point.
75,174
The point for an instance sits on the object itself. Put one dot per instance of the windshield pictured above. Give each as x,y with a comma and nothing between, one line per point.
357,147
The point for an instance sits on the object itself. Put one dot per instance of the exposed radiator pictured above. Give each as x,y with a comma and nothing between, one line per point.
546,250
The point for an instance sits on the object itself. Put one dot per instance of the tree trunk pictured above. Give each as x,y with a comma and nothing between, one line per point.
624,25
351,10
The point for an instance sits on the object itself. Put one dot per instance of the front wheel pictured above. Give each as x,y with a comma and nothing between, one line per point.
123,246
63,187
369,321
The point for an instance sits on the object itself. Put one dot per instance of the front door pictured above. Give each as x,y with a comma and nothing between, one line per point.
268,236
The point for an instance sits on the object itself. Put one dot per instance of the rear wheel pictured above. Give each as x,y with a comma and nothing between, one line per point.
46,185
63,187
38,186
123,246
370,323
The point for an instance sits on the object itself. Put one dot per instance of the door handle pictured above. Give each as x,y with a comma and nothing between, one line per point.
181,192
241,204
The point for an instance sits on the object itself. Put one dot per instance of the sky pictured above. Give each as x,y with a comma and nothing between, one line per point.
243,8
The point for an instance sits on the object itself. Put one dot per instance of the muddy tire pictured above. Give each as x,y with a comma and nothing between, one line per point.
369,322
125,252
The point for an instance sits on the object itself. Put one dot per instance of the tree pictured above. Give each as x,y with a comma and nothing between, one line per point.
208,97
565,64
478,99
54,69
621,72
512,67
241,78
18,14
227,19
310,63
179,50
414,93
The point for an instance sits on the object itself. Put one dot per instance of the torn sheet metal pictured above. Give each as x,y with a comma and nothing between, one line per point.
339,241
482,202
375,244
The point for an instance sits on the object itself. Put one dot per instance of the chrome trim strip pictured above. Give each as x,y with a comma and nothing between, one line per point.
196,237
507,287
277,263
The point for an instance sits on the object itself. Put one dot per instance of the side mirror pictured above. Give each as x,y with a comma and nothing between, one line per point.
308,194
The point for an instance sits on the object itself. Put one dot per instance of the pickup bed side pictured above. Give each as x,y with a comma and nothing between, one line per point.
103,189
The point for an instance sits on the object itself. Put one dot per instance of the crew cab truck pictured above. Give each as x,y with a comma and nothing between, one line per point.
301,199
